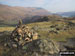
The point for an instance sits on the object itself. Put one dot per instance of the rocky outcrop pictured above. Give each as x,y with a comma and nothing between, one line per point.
22,38
42,47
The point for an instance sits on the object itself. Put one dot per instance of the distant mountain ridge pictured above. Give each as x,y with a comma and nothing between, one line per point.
67,14
9,15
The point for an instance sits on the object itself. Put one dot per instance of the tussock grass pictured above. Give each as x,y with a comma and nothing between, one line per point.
61,36
44,28
6,29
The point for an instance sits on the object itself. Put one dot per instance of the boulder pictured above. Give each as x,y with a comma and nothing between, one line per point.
42,46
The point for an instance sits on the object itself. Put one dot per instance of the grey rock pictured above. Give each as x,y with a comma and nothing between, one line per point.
43,46
14,45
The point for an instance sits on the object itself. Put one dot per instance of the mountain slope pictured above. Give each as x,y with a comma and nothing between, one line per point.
13,13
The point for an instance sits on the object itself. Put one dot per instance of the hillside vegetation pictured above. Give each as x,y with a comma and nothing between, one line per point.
53,30
11,14
57,30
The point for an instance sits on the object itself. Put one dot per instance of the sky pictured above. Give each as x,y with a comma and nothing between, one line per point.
50,5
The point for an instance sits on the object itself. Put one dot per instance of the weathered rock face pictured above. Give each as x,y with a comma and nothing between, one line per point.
70,44
71,41
42,47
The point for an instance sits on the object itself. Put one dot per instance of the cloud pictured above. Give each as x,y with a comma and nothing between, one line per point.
40,2
61,5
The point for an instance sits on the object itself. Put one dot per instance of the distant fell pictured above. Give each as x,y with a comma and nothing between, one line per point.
15,13
67,14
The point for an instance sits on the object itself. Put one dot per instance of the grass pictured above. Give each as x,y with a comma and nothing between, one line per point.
6,29
44,28
43,31
61,36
